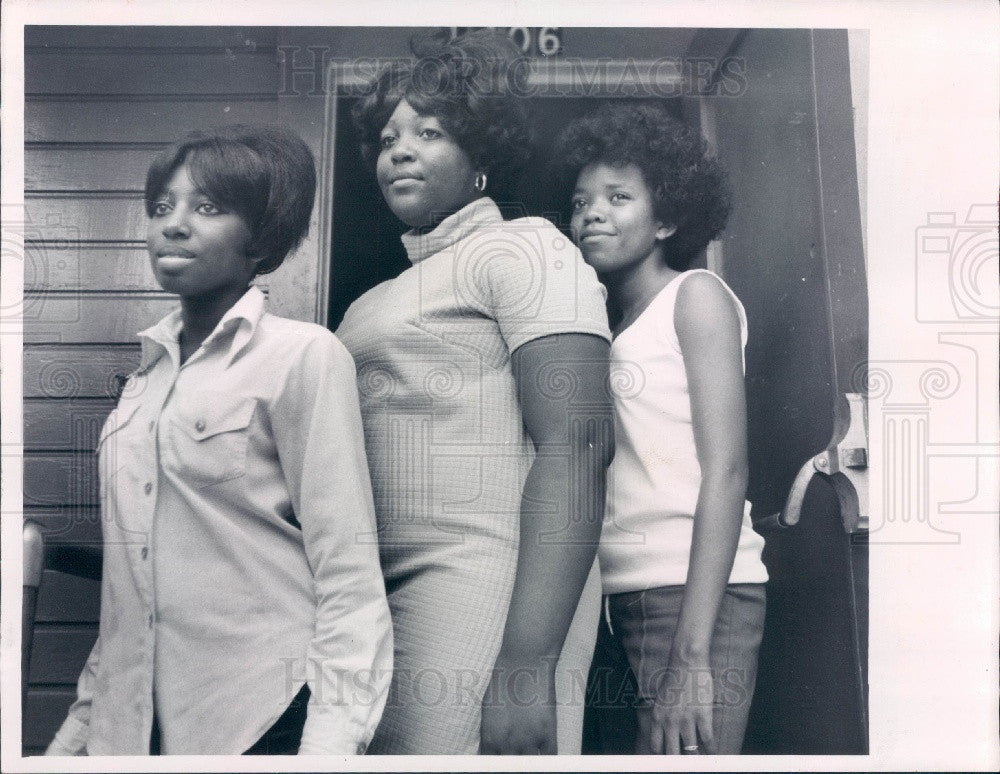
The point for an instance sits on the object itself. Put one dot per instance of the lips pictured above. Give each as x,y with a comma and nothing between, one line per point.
173,259
402,182
174,252
594,235
404,178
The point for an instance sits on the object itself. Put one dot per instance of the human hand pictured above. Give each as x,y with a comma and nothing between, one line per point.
519,710
681,716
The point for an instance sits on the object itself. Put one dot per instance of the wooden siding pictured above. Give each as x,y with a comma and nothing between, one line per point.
86,371
104,120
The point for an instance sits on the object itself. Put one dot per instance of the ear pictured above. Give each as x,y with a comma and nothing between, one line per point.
480,164
665,232
255,261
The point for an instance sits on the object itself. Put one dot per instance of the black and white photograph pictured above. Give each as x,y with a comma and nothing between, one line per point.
412,382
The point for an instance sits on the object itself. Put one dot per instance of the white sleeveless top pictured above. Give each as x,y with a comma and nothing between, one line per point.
654,479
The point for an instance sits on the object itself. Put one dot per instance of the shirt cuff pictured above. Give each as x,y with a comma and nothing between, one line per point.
70,739
332,731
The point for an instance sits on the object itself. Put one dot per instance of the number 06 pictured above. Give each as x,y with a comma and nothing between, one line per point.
548,41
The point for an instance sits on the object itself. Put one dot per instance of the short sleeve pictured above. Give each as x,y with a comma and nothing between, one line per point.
539,285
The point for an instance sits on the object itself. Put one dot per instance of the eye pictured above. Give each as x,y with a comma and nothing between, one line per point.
386,141
578,203
208,208
160,208
620,197
428,133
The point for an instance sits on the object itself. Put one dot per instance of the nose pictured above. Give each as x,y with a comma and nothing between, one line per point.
593,214
401,151
175,225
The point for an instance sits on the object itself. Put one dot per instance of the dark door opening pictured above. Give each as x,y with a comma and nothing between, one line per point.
365,248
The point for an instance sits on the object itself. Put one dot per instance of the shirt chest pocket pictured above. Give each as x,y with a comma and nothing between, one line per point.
207,443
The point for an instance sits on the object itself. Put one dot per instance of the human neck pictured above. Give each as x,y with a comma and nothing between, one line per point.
200,315
438,216
633,289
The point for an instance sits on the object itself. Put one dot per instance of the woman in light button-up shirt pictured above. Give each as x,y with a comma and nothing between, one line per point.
242,609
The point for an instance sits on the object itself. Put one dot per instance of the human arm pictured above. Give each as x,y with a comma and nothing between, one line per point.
317,428
709,333
561,381
71,738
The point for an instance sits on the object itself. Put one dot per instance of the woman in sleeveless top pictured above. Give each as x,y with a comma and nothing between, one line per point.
680,562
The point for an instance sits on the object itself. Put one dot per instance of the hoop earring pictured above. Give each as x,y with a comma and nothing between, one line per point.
480,184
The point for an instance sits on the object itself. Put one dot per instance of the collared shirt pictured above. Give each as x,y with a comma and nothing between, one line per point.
238,559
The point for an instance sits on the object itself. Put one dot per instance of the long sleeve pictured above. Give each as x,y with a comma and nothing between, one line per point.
71,738
317,428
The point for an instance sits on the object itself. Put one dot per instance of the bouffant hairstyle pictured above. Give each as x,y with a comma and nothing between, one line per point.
475,85
687,185
264,174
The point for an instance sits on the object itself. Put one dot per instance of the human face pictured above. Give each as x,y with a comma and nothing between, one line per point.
613,221
196,246
423,173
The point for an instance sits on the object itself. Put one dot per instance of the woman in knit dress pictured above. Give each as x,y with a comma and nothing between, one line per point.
481,372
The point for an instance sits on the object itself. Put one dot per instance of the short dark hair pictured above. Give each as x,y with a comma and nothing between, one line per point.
688,185
265,174
475,85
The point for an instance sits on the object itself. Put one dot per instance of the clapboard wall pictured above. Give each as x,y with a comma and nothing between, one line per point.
99,103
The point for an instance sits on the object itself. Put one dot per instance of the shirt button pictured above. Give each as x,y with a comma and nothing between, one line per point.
150,620
145,552
199,425
148,488
152,424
